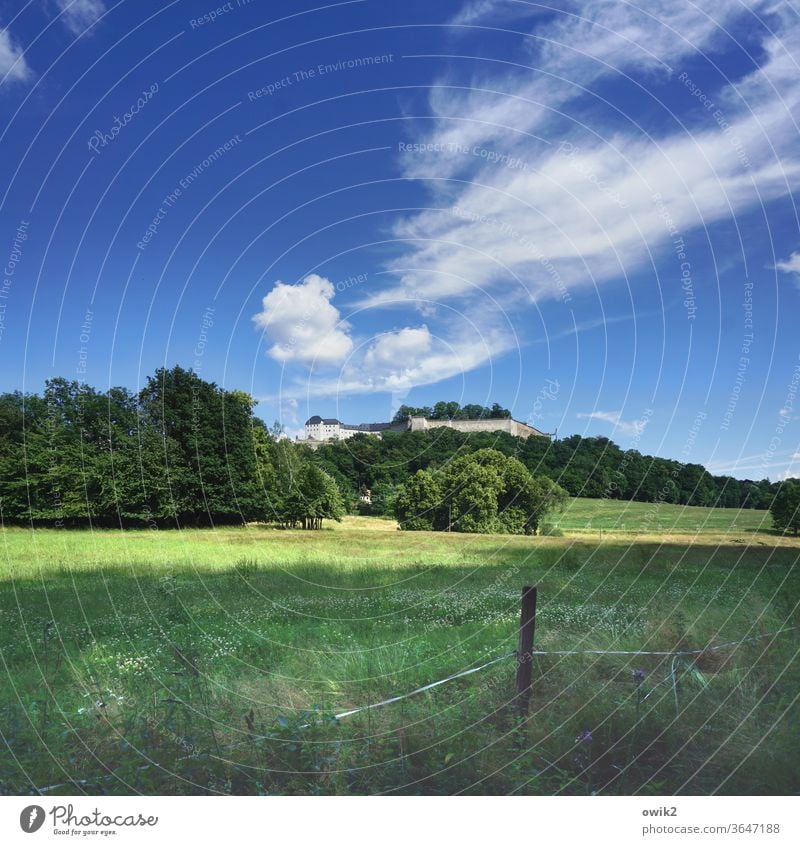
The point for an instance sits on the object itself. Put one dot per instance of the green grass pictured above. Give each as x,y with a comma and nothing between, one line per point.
588,516
211,661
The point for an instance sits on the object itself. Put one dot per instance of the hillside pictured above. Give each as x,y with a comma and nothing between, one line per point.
590,467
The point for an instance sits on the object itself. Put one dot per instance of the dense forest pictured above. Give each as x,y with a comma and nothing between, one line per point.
180,452
183,451
594,467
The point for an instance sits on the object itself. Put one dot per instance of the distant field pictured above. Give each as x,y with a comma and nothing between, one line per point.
587,516
211,661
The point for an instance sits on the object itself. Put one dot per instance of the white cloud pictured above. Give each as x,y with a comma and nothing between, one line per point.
629,428
289,412
776,465
406,346
591,40
302,323
497,10
398,361
13,66
791,266
78,15
473,11
581,217
563,217
305,327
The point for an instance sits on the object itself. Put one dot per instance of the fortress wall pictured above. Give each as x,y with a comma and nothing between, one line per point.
513,427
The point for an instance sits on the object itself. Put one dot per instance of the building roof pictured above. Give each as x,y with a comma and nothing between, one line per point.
316,420
368,427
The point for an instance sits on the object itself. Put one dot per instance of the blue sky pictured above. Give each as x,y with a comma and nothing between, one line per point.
584,211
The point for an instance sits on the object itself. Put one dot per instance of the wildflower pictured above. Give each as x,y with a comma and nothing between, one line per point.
582,756
638,676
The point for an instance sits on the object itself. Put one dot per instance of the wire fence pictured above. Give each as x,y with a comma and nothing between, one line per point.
675,654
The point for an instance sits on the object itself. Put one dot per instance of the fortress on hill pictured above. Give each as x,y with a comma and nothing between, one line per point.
321,430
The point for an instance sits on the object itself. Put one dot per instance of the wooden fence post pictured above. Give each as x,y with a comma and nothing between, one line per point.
525,651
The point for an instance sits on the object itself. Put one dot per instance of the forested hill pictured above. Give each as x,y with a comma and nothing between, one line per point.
185,451
584,466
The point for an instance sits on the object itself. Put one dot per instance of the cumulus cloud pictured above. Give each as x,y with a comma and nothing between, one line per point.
542,200
78,15
302,323
13,66
791,266
304,327
631,428
406,346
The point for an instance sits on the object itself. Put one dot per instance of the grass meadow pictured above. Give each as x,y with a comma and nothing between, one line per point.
212,661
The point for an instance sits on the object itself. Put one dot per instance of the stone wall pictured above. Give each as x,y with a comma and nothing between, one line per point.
513,427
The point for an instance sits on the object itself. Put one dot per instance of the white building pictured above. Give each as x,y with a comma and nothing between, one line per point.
318,429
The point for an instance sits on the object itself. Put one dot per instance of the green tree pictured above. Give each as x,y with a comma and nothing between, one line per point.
545,497
785,507
313,498
471,412
497,412
510,499
417,502
384,497
404,412
469,501
213,429
481,492
24,457
287,463
696,486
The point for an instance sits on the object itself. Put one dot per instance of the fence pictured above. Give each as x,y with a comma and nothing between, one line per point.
524,655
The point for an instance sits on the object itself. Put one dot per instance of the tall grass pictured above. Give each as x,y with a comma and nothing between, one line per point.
211,662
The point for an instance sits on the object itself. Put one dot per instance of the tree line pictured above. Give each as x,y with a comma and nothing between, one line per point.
452,411
181,451
594,467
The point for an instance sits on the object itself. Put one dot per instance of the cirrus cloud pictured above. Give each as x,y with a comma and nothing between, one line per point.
13,67
566,207
630,428
79,15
